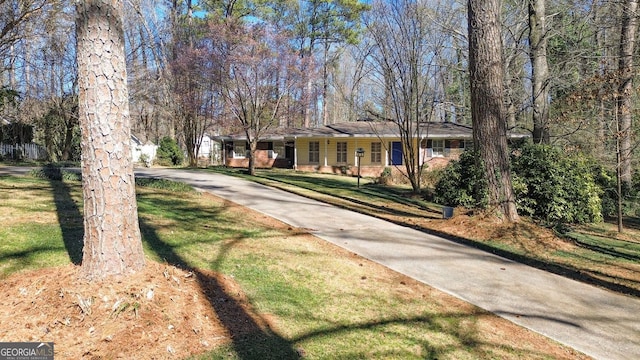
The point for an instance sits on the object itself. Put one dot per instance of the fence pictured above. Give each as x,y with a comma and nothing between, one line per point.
23,151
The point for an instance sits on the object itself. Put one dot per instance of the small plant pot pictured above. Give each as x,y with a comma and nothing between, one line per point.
447,212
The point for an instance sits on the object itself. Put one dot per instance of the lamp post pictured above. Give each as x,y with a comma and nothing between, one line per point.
359,154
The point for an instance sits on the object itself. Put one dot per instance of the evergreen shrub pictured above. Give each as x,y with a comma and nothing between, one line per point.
169,153
549,185
462,183
554,186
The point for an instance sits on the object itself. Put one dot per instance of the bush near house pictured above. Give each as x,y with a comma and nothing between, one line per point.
462,183
169,153
549,185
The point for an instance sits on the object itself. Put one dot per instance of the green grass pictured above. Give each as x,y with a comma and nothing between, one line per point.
163,184
604,249
36,221
323,301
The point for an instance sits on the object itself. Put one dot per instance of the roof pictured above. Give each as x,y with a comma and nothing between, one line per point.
431,130
135,140
390,129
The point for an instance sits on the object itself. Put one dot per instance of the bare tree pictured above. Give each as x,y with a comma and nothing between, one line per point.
21,31
629,27
261,69
516,78
487,104
57,79
112,240
195,74
13,16
405,56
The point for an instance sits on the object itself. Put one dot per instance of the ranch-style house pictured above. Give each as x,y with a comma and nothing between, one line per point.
333,148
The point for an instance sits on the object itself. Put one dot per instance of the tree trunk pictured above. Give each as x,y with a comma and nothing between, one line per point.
68,135
487,105
625,90
253,146
540,70
325,81
112,241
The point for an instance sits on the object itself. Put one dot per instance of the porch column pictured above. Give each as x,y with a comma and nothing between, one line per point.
355,157
422,153
326,150
295,153
386,155
223,146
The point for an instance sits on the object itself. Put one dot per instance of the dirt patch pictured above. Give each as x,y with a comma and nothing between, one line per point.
160,312
523,235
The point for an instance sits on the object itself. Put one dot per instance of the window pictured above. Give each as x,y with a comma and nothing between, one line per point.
341,151
437,148
314,152
239,150
376,153
278,150
468,144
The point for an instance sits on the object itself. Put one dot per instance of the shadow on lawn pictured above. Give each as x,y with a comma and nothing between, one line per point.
70,218
375,192
607,250
249,339
629,222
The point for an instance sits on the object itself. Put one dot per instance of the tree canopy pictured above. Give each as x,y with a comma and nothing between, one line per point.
567,69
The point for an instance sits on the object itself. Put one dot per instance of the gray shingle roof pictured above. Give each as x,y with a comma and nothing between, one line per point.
363,129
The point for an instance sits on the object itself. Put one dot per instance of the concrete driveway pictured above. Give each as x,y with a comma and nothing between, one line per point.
599,323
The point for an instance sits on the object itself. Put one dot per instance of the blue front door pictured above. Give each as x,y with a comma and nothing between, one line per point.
396,153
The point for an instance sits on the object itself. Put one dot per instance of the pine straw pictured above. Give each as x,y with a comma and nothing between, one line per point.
157,313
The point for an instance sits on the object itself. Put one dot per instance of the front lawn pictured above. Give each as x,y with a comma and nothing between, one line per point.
271,291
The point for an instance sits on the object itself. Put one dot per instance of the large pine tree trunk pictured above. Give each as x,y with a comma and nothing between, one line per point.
540,70
112,241
487,106
625,91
